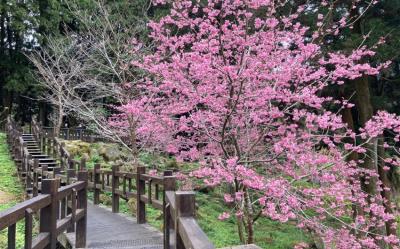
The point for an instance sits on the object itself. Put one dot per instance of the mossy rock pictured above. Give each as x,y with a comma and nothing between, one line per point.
105,199
132,206
110,152
77,147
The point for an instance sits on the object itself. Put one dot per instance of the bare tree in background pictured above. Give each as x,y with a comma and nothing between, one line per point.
59,67
109,41
88,72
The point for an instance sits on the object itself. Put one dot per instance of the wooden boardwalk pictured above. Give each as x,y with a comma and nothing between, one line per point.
58,185
107,230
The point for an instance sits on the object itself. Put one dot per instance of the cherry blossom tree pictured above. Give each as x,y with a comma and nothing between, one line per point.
236,87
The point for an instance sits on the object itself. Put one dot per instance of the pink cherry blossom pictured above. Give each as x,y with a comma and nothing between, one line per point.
246,105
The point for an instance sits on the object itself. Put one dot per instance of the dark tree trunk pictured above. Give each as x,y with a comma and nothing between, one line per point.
386,188
365,112
42,113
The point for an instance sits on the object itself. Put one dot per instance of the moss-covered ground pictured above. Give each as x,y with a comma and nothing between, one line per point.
11,190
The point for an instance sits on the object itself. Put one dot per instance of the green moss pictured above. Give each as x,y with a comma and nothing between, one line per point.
10,186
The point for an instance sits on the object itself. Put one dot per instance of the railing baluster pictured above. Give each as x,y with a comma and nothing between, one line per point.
169,183
149,192
28,228
11,236
48,215
35,187
114,188
82,204
140,190
96,181
185,207
73,211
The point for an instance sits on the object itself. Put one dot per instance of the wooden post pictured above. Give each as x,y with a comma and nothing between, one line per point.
12,236
70,174
115,188
70,163
28,172
48,215
96,181
82,164
35,187
140,190
56,171
81,225
169,183
185,207
62,156
28,228
49,140
43,142
44,171
54,147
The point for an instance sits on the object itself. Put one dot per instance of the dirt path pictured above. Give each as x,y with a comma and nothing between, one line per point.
6,197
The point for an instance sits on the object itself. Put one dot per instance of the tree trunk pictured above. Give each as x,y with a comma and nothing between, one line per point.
249,217
133,138
386,188
347,118
365,112
42,113
59,121
239,221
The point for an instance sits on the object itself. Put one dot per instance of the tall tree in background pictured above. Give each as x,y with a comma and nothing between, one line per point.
16,34
23,26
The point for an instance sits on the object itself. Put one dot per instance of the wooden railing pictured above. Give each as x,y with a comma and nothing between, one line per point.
75,133
51,222
180,229
61,205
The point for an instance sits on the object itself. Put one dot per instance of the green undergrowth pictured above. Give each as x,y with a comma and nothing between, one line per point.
268,233
11,191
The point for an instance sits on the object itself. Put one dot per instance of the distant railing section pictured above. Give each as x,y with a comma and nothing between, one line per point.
76,133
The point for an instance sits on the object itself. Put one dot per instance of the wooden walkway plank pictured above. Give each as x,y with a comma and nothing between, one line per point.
107,230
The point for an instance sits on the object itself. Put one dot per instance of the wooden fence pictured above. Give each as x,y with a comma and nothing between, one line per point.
180,229
75,133
61,205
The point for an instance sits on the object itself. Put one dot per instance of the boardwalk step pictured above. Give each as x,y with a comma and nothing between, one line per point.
36,153
39,156
49,161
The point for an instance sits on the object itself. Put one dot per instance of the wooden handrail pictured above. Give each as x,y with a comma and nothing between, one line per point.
192,236
12,215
